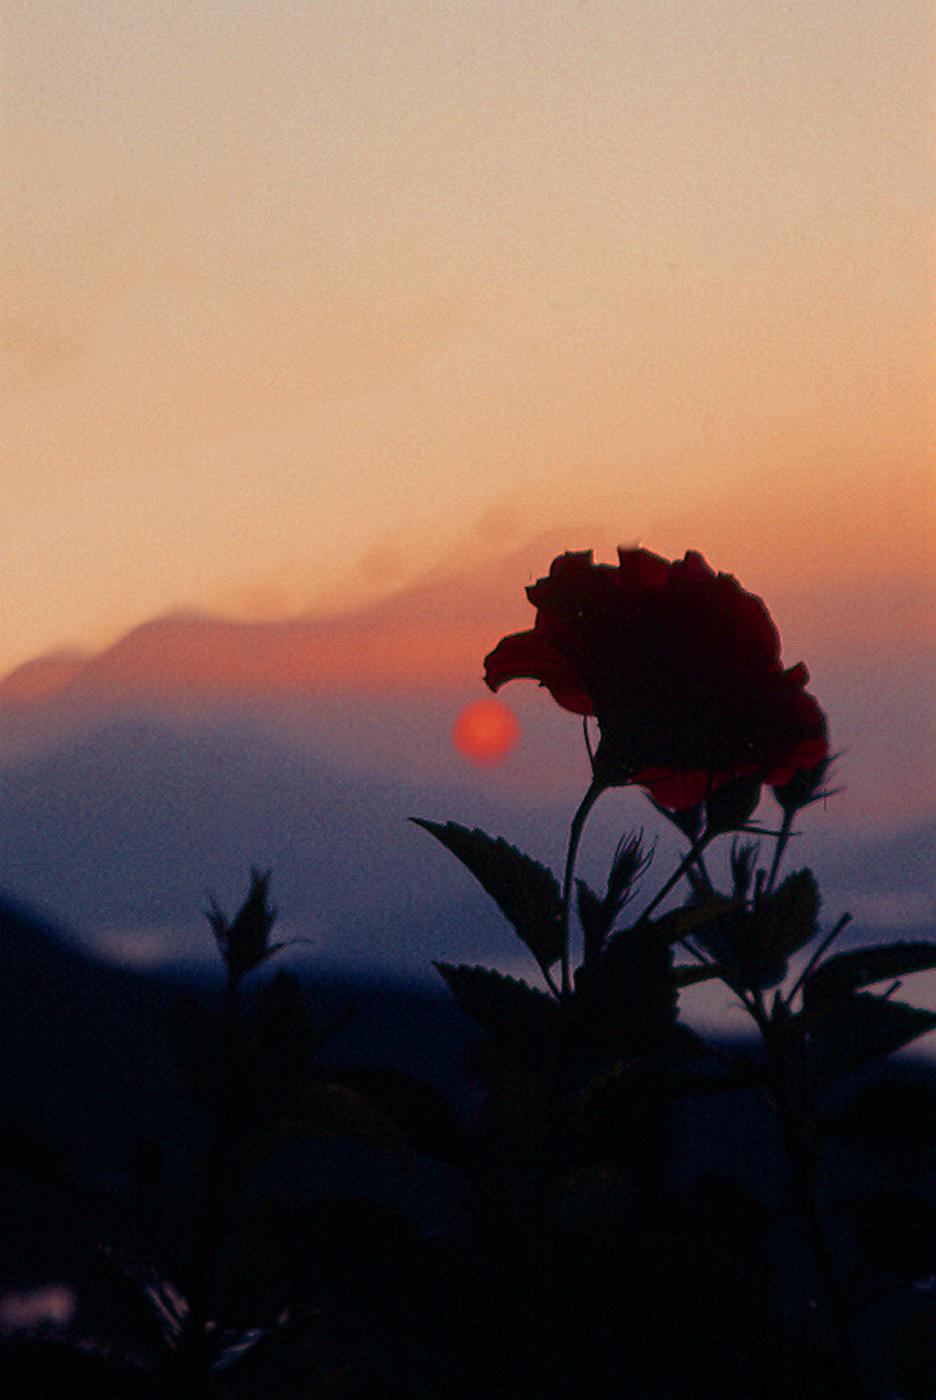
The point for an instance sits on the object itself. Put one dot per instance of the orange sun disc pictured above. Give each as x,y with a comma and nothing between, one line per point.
485,731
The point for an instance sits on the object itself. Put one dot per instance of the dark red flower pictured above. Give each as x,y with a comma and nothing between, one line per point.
680,666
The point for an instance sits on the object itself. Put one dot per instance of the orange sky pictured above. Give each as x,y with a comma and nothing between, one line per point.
295,295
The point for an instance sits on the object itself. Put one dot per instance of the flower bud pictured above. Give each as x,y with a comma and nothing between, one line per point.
804,788
245,942
731,807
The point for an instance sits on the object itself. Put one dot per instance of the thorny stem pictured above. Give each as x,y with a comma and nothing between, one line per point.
575,836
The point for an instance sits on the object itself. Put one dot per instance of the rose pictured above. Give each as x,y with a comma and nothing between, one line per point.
680,666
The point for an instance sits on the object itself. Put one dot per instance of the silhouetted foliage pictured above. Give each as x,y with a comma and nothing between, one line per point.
629,1208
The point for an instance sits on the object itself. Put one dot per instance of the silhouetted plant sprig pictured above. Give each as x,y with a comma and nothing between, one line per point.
681,670
254,1071
597,1244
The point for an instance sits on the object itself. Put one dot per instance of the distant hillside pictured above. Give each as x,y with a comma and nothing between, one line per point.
431,634
87,1073
86,1060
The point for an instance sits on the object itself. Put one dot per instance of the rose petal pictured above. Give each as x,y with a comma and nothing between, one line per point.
674,790
529,656
639,569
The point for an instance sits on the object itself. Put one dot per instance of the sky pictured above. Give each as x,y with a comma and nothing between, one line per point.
349,316
303,300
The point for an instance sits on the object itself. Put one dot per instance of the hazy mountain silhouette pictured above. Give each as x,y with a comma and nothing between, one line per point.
431,634
125,828
122,829
197,746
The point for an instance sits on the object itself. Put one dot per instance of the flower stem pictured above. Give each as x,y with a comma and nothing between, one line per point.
703,871
799,1127
783,838
691,858
575,836
823,948
195,1344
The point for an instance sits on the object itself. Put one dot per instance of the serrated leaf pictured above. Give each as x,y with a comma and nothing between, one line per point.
625,1000
426,1117
717,1076
861,1029
787,919
861,967
526,893
593,917
689,974
913,1355
897,1231
892,1121
754,944
332,1109
677,923
506,1006
726,1216
617,1114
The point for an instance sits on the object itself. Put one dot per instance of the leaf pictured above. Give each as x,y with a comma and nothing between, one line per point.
896,1230
417,1108
689,974
506,1006
242,1344
805,787
526,893
787,919
618,1115
731,807
594,919
753,944
892,1121
847,972
332,1109
677,923
863,1028
625,1000
913,1355
726,1216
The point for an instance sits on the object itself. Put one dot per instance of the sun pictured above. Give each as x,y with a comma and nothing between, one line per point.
485,731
